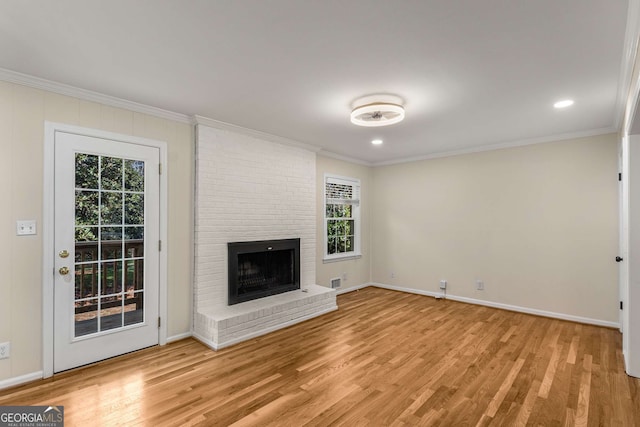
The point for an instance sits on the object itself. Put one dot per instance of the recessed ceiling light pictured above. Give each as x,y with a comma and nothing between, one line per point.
376,141
564,103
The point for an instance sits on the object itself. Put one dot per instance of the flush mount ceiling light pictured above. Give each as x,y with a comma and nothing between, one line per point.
564,103
382,110
376,141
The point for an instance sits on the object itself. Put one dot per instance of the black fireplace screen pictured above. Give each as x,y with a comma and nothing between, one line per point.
263,268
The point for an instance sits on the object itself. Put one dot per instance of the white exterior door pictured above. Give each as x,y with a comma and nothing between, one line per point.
106,248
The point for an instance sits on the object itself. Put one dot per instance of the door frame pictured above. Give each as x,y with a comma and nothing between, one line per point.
48,224
623,267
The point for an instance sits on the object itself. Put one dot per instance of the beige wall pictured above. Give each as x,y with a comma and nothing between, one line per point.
357,270
23,112
538,224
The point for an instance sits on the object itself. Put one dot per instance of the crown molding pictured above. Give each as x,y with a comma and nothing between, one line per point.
500,146
88,95
631,44
217,124
629,53
336,156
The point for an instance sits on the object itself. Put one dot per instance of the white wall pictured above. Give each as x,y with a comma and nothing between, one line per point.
538,224
358,271
249,189
23,112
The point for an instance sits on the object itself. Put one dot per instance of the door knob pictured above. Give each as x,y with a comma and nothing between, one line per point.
64,254
64,270
618,259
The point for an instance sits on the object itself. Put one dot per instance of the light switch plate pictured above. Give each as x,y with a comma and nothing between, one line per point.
26,228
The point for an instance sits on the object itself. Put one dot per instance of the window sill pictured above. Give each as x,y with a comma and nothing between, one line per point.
342,258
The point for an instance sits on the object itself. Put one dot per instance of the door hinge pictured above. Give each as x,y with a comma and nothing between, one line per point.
158,322
159,245
159,168
620,305
619,177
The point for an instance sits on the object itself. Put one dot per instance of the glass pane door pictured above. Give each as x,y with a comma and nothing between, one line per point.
109,243
106,263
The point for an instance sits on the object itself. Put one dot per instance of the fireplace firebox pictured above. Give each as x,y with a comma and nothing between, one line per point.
262,268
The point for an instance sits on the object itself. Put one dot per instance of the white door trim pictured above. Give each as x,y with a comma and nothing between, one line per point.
48,252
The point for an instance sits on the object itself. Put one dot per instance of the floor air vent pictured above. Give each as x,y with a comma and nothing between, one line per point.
335,283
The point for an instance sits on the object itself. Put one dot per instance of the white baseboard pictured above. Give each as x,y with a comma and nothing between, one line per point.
22,379
508,307
408,290
340,291
205,341
179,337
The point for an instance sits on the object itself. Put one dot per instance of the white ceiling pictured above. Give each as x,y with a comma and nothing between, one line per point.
471,72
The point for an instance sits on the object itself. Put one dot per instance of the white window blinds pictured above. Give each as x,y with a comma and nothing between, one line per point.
342,192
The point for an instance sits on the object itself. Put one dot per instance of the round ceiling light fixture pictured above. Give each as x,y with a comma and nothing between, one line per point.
377,110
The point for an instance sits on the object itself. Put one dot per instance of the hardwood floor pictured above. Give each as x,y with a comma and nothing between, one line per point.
383,359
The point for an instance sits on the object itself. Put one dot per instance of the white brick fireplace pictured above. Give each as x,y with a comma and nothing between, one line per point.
248,189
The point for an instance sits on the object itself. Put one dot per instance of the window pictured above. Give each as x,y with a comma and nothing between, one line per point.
341,217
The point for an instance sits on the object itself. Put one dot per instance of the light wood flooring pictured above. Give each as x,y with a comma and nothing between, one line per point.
383,359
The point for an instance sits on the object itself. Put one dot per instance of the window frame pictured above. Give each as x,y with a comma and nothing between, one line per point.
355,216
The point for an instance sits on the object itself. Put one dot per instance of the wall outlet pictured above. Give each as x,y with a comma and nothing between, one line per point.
344,276
393,275
5,350
480,285
443,284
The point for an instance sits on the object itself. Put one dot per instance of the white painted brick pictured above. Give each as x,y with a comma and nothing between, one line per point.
248,189
265,314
